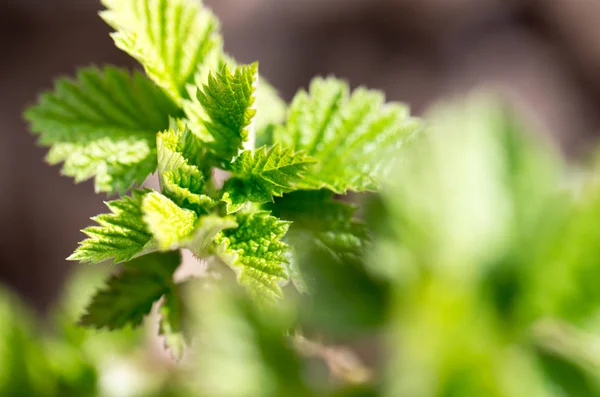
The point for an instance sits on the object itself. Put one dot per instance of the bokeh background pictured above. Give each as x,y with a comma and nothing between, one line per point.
543,54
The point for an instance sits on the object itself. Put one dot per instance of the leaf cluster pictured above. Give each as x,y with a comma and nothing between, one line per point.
194,116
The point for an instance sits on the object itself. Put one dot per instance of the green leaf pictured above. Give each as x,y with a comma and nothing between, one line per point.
169,223
328,263
329,223
179,147
260,175
353,137
205,231
270,107
128,296
171,322
319,220
179,155
254,251
174,227
121,234
170,38
102,125
227,102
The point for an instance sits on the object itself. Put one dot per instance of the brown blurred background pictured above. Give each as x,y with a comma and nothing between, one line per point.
544,54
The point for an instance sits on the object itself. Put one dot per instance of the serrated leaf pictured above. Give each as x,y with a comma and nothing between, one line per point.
128,296
353,137
171,323
180,140
174,227
120,235
261,175
227,101
179,156
254,251
329,222
170,38
270,107
328,263
205,231
169,223
319,221
102,125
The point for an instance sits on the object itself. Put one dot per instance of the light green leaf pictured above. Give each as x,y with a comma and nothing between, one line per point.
120,236
174,227
103,125
129,295
353,137
179,154
169,223
186,187
254,251
259,176
170,38
227,101
178,139
205,231
171,322
270,107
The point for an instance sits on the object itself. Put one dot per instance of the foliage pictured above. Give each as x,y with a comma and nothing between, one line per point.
103,125
200,117
472,261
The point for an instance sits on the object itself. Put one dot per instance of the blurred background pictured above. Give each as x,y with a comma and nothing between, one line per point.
543,54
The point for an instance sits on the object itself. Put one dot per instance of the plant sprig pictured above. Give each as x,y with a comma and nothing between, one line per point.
197,111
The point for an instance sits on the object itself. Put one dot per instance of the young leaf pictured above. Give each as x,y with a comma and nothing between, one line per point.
353,137
170,38
227,100
179,152
260,175
169,223
254,251
174,227
103,125
179,146
207,228
270,107
120,236
330,247
129,295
